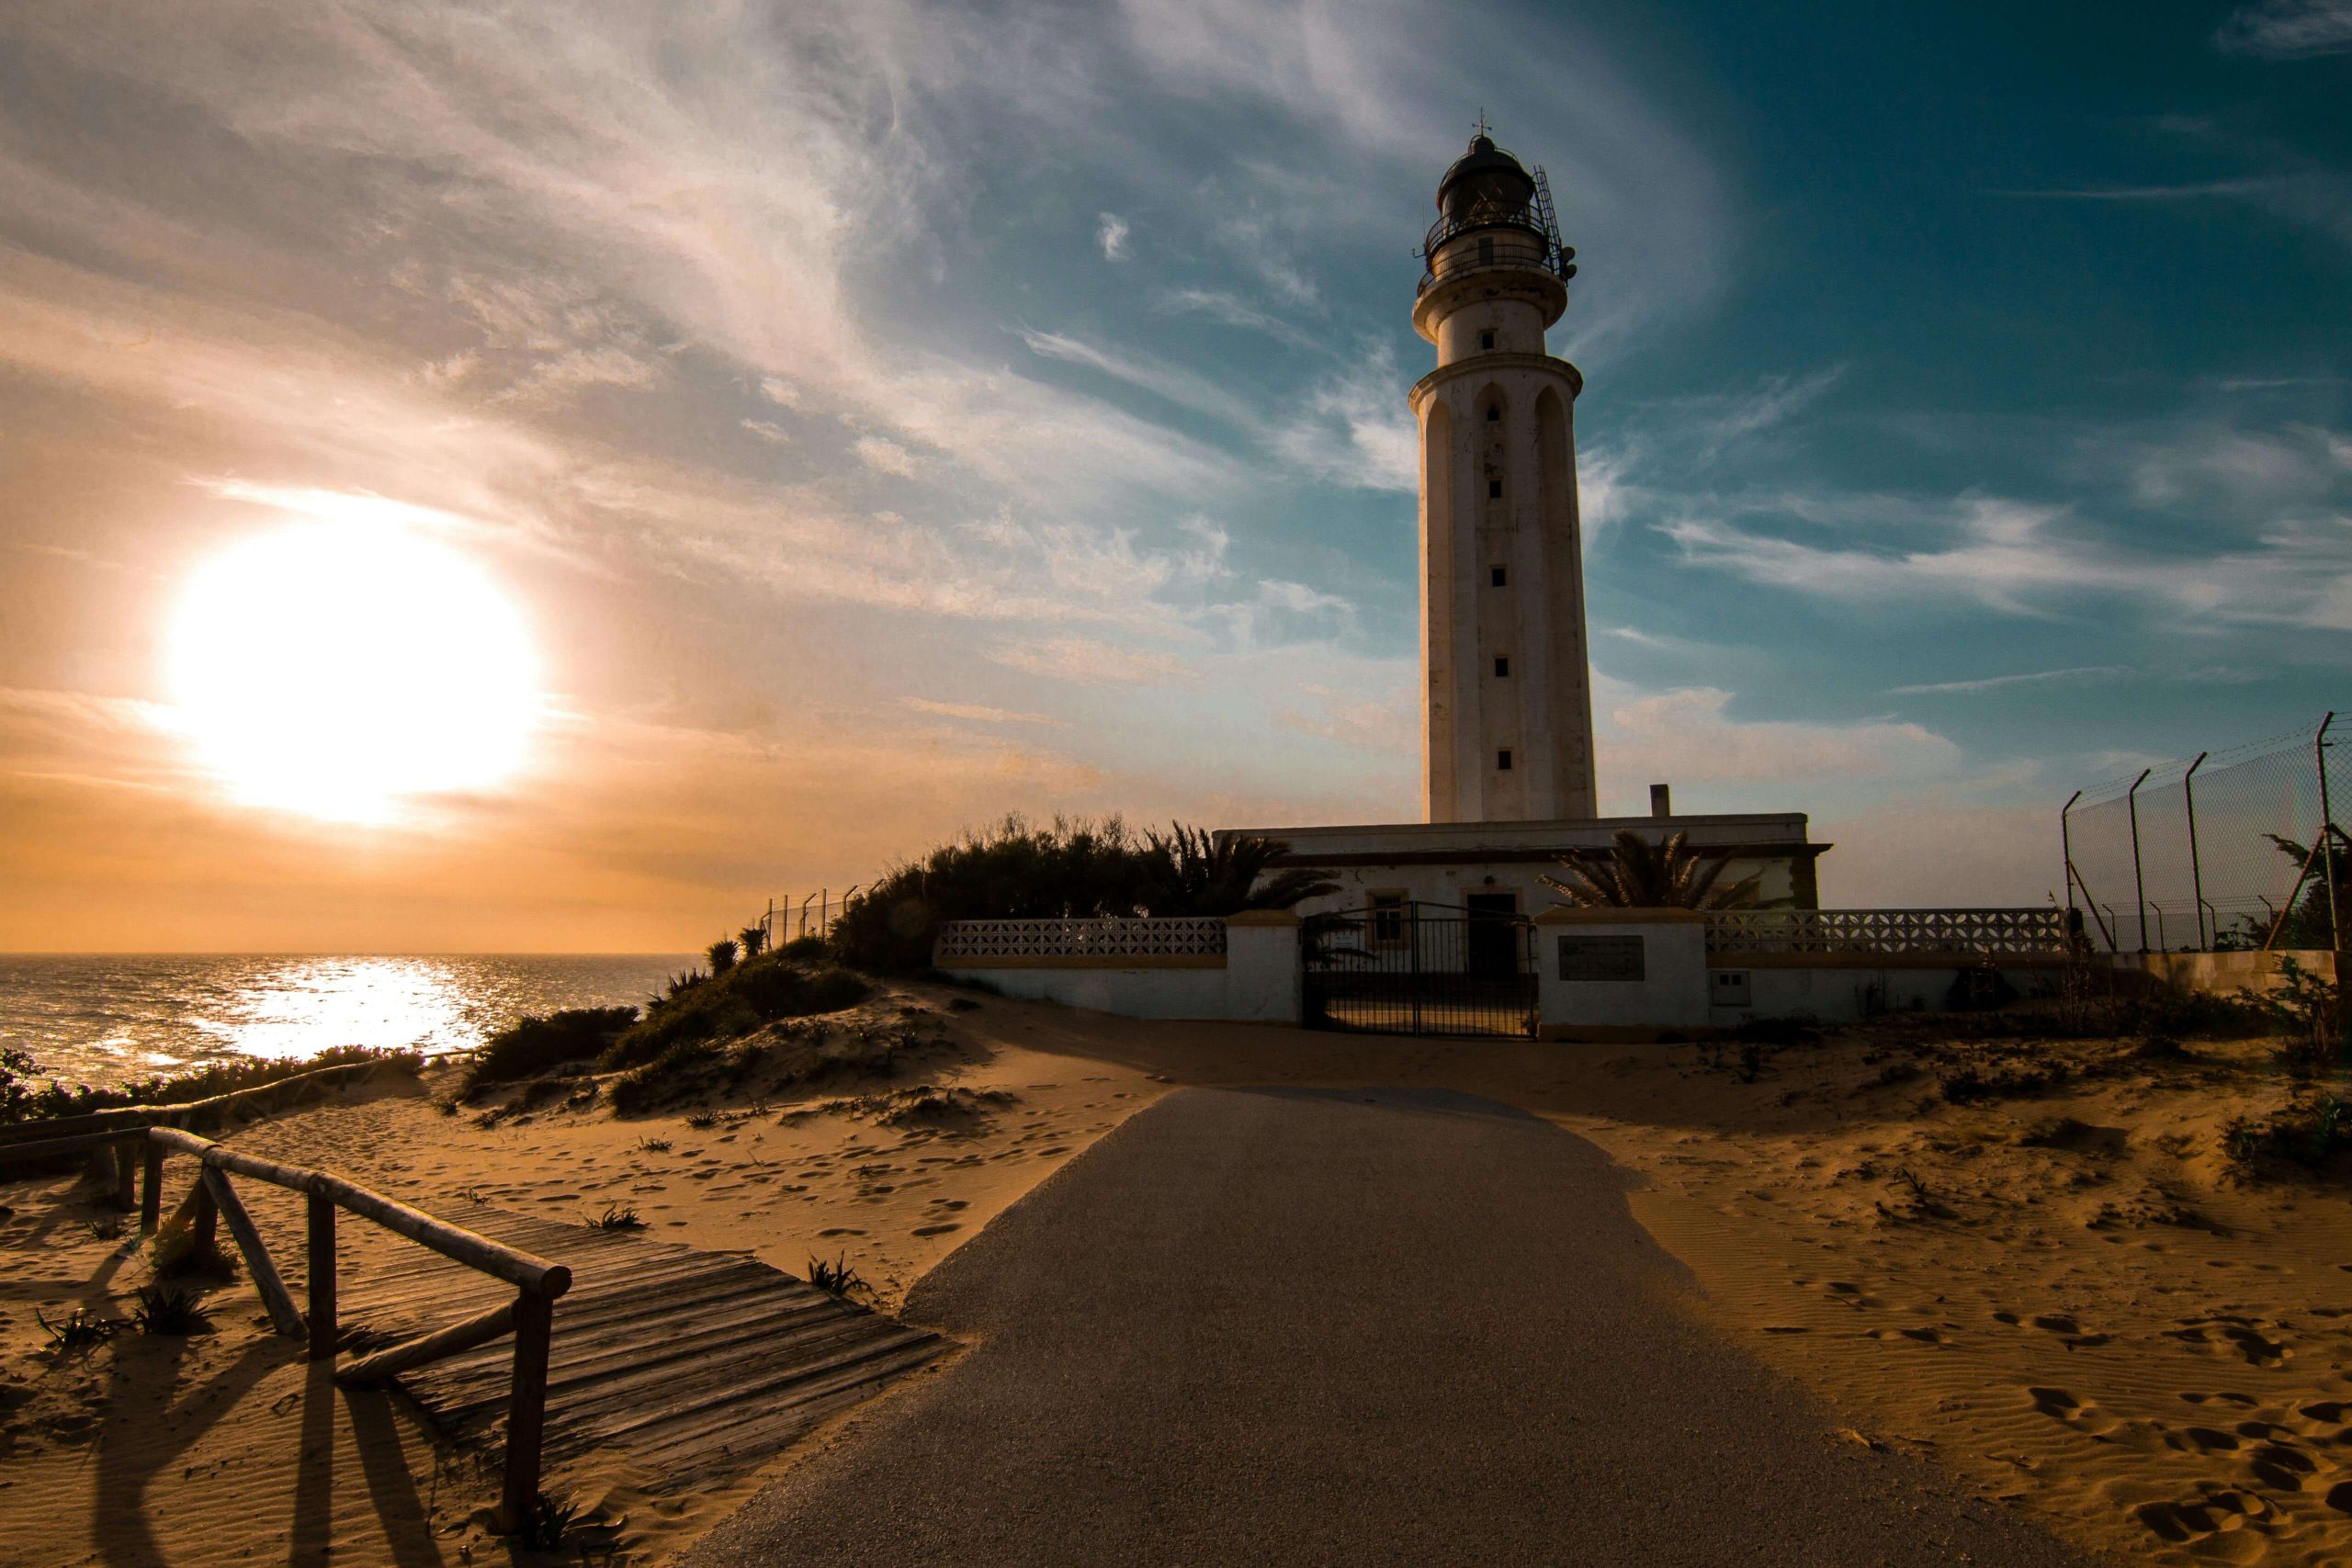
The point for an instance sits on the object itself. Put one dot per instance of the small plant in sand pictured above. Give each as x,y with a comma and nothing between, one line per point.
2310,1133
837,1278
2308,1013
617,1218
106,1227
654,1145
703,1121
550,1523
162,1310
80,1330
177,1253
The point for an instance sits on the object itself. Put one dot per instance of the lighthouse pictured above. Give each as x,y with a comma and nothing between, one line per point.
1507,693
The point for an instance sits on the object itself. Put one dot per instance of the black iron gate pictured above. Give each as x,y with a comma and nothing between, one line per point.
1407,968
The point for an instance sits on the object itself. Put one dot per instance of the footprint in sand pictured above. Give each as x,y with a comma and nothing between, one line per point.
2222,1509
841,1229
2241,1335
1916,1336
2280,1468
2079,1414
939,1229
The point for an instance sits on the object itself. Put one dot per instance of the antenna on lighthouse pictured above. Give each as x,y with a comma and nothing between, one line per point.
1481,128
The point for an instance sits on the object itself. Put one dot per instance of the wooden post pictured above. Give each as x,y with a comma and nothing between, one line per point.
151,1194
204,1227
126,1176
322,1327
283,1314
527,1416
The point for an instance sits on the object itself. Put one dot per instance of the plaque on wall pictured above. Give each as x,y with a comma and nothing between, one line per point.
1600,958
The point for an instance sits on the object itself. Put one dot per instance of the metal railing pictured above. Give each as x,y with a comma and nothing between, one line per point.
2031,932
2194,856
1179,936
211,1201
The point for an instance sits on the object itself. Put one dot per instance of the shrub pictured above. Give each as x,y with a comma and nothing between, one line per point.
24,1098
1972,1085
532,1044
617,1218
106,1227
175,1253
164,1310
835,1279
2308,1011
676,1069
79,1330
2310,1132
723,954
803,948
755,992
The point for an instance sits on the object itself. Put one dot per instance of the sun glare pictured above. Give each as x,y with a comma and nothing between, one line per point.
337,668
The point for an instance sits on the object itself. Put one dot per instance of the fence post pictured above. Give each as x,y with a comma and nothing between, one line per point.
322,1238
526,1417
2327,832
2196,866
150,1194
2139,886
2066,844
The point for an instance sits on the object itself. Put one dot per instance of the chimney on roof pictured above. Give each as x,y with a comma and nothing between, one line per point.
1661,802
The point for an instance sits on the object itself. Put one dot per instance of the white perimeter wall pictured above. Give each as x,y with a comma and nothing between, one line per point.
1258,981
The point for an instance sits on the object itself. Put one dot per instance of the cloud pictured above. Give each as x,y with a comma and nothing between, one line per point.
1112,235
1387,721
2304,193
884,457
2287,29
1087,663
2020,557
1685,736
979,713
1233,311
780,391
1355,428
2087,673
1181,386
768,430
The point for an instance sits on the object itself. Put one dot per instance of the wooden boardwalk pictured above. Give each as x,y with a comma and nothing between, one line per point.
699,1363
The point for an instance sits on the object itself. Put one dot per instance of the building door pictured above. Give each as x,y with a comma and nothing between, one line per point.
1491,934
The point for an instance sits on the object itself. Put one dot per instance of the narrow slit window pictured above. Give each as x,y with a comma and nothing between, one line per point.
1495,414
1487,340
1502,667
1502,761
1497,576
1493,490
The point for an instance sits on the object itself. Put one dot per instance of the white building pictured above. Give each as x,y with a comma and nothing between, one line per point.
1507,781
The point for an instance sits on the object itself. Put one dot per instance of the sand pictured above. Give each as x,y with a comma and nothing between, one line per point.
2072,1301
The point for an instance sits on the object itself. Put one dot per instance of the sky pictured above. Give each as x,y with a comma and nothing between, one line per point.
881,416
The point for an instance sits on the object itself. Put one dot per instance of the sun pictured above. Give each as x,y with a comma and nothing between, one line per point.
337,668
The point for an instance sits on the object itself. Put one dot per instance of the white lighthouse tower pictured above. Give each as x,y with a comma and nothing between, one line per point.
1507,703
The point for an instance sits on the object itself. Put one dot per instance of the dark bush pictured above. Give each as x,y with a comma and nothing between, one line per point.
25,1097
755,992
532,1044
800,949
2310,1133
680,1065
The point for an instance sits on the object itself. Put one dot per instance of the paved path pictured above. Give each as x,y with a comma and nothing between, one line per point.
1345,1327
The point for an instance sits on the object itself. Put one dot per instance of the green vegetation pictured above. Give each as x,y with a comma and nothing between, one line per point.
835,1279
80,1330
550,1524
106,1227
2308,1013
723,954
733,1002
1079,868
2311,1132
25,1097
617,1218
162,1310
1636,873
532,1044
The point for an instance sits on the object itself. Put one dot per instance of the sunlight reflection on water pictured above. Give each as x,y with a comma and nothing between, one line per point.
104,1018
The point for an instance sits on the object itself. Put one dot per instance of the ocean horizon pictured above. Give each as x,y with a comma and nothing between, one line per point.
107,1017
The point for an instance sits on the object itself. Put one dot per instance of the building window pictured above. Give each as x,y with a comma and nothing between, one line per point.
1496,577
1487,340
1389,917
1502,667
1495,414
1493,490
1502,761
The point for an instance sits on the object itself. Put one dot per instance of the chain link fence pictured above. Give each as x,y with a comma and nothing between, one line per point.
2228,850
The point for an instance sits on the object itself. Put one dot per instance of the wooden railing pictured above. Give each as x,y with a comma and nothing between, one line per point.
529,1317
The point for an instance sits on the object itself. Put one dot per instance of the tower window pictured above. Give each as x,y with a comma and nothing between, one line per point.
1502,761
1502,667
1495,414
1496,577
1487,340
1493,490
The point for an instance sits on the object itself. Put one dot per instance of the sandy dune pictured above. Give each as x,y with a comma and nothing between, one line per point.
2069,1300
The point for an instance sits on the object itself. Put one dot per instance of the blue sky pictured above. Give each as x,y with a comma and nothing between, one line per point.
889,415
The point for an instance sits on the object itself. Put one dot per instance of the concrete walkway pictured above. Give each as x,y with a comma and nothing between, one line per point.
1345,1327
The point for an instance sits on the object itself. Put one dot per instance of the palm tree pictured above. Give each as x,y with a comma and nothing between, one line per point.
753,938
1190,872
1638,875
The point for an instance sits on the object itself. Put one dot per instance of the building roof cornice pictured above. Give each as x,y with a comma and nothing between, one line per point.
1485,365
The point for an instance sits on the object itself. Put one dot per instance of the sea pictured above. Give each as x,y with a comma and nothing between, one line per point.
103,1019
